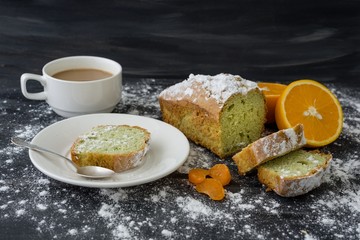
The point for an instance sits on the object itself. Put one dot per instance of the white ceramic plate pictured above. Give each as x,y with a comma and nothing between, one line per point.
169,149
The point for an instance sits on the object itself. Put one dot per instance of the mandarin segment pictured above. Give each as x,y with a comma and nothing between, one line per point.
197,175
272,92
211,187
315,106
220,172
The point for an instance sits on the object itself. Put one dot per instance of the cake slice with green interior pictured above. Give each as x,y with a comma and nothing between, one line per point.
117,147
295,173
269,147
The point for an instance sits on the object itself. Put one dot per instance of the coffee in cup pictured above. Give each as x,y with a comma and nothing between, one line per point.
84,74
78,85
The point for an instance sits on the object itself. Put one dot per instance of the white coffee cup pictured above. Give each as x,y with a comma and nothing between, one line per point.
72,98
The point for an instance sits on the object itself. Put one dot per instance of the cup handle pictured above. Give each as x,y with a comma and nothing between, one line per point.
34,96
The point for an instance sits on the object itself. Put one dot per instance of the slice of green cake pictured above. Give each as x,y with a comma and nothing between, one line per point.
117,147
269,147
295,173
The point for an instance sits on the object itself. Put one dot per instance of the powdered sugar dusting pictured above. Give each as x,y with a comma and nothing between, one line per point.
198,156
293,138
111,139
193,207
275,145
171,208
219,87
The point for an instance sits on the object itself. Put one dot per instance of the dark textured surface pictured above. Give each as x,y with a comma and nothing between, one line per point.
158,44
262,40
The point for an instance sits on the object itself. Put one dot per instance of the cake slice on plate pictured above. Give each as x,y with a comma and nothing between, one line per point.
117,147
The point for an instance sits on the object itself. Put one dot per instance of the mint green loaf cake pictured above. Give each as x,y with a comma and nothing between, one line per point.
223,113
295,173
117,147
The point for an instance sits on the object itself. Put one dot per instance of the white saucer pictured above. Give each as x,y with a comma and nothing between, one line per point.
169,149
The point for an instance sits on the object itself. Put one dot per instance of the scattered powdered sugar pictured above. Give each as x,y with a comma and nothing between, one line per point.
170,208
294,138
219,87
73,232
167,233
278,143
100,138
4,188
198,157
141,98
193,207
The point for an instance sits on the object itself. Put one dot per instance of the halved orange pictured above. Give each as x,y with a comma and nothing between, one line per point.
315,106
272,92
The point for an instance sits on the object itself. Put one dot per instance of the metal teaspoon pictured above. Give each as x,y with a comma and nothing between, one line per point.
86,171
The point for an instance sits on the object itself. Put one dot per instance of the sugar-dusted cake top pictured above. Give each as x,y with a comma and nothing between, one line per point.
280,142
112,139
206,90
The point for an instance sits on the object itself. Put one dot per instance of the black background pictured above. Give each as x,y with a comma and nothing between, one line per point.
261,40
159,43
